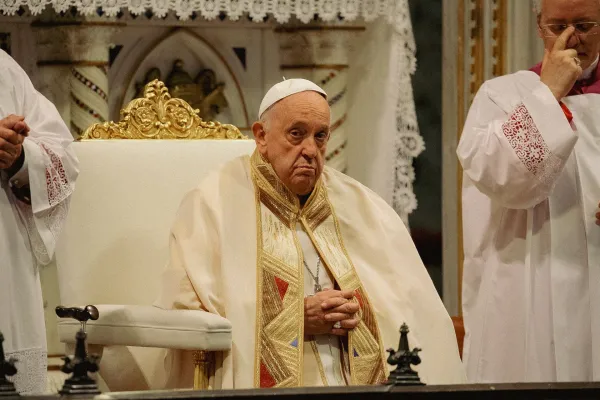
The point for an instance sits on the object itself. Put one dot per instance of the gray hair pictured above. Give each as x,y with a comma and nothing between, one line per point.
537,6
265,118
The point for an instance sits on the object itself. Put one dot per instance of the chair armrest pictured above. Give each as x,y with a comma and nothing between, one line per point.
148,326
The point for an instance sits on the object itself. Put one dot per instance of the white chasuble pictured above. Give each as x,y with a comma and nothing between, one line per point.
531,288
281,271
235,251
28,232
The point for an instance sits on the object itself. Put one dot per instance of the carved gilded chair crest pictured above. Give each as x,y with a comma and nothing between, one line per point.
159,116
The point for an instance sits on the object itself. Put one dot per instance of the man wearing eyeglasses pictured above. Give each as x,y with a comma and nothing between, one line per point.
530,151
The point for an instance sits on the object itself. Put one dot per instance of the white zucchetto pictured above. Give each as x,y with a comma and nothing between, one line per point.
287,88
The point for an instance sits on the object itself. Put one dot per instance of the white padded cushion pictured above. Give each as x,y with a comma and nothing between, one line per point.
148,326
115,242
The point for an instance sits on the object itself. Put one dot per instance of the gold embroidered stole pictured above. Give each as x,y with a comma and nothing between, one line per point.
280,283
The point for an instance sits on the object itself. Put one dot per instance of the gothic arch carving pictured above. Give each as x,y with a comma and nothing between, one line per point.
196,53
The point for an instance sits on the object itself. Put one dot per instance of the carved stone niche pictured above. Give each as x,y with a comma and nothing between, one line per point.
203,93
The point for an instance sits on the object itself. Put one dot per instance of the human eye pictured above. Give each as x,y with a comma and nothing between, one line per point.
557,28
584,26
321,136
296,135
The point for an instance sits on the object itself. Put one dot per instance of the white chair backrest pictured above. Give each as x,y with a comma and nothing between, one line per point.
114,245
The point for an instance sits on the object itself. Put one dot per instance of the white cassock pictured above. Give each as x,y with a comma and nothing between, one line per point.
531,288
28,233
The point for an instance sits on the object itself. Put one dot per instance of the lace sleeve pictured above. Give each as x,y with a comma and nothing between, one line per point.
44,227
57,183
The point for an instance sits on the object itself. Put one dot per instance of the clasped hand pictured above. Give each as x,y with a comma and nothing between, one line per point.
13,131
325,308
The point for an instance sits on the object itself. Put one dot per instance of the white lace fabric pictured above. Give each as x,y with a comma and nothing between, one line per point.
51,220
408,142
529,145
282,10
32,365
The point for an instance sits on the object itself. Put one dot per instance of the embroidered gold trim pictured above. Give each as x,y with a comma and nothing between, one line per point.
280,271
257,335
280,292
380,374
367,364
313,344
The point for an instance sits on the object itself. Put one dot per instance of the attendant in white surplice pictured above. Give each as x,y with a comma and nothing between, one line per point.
530,151
38,174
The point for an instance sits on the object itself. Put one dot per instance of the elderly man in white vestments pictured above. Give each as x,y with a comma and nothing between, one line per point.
37,172
314,271
530,150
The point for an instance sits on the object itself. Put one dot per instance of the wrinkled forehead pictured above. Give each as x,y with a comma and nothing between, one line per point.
568,10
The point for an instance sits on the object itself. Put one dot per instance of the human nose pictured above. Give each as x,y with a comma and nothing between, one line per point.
310,147
574,40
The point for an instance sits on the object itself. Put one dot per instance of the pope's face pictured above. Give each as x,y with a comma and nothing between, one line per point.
570,12
293,139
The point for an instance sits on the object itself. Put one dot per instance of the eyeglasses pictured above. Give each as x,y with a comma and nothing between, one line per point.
581,28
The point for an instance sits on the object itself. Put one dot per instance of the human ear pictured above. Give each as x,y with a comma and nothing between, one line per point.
258,129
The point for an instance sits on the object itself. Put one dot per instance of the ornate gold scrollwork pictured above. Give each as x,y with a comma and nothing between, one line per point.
159,116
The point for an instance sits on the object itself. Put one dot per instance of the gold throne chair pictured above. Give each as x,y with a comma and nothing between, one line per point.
114,247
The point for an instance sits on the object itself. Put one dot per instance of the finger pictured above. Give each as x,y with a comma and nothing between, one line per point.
10,136
348,308
350,323
9,148
335,317
325,295
561,41
21,128
333,302
546,55
348,294
6,160
11,120
313,310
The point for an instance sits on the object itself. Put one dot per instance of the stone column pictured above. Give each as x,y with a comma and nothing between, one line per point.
320,54
73,64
